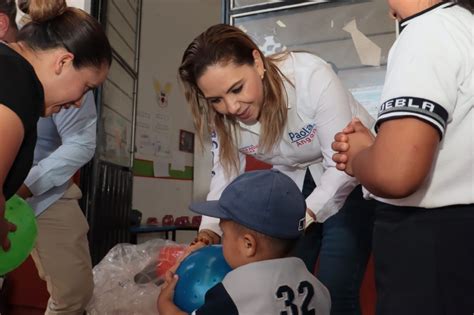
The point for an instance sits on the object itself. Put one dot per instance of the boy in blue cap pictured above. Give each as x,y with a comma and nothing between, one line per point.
262,215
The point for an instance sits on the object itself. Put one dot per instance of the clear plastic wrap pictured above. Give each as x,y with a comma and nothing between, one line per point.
128,279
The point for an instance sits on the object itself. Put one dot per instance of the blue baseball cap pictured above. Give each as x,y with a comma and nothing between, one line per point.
266,201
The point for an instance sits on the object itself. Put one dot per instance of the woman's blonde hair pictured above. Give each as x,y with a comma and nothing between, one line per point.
224,44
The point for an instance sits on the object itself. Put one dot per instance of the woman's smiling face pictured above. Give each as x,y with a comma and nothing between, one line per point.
234,90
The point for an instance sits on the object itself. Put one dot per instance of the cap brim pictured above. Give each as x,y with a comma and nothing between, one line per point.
209,208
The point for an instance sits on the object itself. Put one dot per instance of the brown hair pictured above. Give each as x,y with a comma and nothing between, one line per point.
222,44
8,7
54,24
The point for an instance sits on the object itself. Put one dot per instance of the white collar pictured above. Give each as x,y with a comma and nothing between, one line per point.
444,4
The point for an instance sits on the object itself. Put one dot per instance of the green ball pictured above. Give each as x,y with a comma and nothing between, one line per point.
18,212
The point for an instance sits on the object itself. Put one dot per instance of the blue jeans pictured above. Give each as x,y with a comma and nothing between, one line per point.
343,245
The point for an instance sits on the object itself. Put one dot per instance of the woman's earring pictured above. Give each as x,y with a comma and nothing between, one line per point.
393,15
263,74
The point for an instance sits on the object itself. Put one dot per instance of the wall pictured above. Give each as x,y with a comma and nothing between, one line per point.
168,26
83,4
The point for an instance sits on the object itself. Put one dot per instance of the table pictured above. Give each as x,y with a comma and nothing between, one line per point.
155,228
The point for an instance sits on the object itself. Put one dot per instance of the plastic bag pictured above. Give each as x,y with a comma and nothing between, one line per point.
128,279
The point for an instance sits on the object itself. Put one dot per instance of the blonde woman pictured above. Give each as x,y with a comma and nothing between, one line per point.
283,110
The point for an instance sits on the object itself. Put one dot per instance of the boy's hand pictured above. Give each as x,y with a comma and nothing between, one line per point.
165,302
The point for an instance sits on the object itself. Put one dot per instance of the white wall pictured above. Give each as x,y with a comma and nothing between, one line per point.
168,26
82,4
202,169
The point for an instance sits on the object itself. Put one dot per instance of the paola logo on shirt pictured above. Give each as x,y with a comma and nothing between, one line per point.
249,150
303,136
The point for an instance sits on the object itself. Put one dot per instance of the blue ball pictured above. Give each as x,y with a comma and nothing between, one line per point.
199,272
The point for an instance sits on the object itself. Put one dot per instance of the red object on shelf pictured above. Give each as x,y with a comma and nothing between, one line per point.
196,220
167,220
151,221
182,221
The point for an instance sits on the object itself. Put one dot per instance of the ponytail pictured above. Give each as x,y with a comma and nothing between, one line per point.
55,25
42,10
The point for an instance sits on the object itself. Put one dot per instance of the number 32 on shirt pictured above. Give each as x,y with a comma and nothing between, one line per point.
287,295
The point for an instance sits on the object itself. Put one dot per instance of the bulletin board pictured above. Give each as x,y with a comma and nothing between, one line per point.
162,150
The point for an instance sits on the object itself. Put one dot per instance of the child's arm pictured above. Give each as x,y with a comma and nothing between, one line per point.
396,163
165,303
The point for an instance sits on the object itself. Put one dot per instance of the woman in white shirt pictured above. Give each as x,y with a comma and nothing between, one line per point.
283,110
420,167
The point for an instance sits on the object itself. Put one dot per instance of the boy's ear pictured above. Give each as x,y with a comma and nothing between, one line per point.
248,245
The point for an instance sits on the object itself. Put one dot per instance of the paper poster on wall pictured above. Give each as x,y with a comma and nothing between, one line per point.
160,168
116,138
186,141
162,91
155,136
161,122
370,54
178,162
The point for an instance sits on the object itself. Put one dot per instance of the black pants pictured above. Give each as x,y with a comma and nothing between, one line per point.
424,260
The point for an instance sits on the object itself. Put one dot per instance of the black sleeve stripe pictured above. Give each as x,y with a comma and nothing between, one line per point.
404,115
217,301
420,108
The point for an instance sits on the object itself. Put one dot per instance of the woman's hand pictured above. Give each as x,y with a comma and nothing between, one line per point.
24,192
311,214
5,227
348,143
207,237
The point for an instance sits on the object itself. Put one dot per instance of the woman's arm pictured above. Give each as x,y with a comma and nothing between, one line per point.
209,230
332,108
11,137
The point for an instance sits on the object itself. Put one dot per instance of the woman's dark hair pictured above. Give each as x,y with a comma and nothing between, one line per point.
468,4
8,7
54,25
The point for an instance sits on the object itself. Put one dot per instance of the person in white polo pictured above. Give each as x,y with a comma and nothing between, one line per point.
420,167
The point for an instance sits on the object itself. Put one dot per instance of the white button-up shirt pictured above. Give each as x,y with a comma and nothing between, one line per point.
66,141
318,107
430,77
